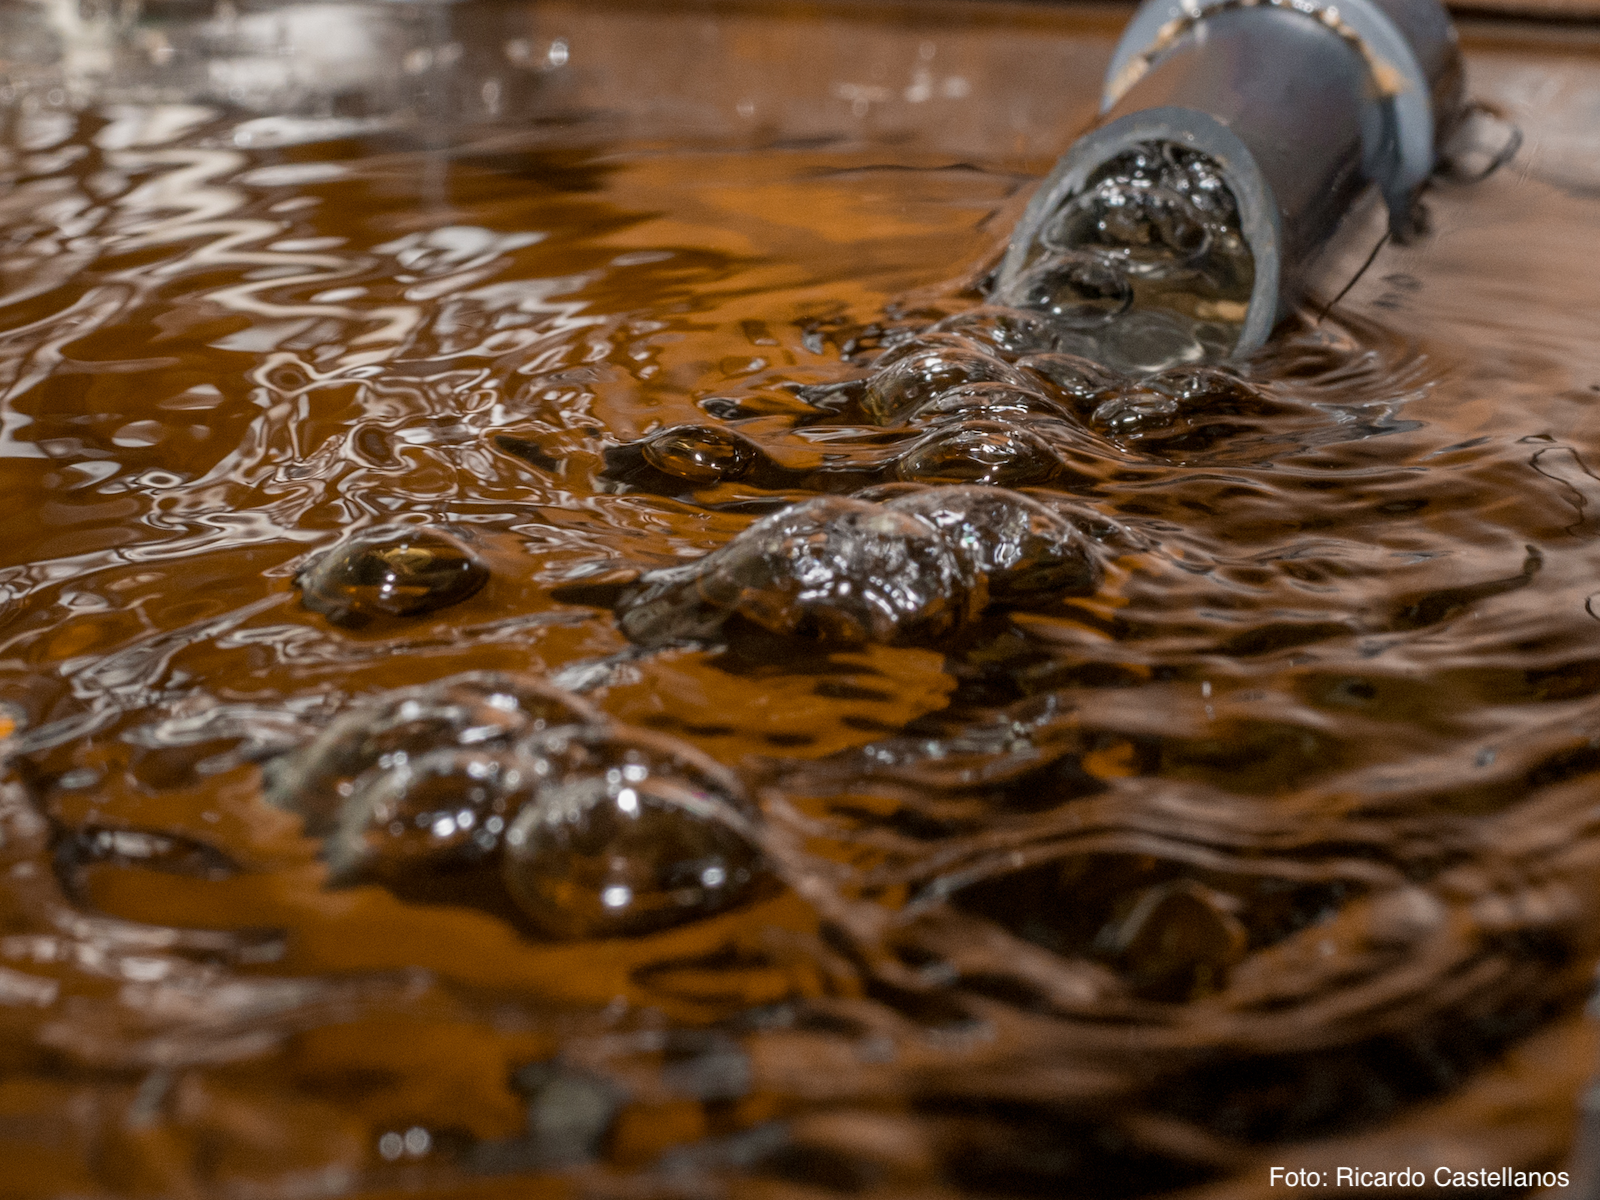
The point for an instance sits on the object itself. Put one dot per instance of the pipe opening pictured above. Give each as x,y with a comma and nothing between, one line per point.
1146,264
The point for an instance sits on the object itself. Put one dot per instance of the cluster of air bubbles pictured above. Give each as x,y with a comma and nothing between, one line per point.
490,784
912,567
1147,265
993,396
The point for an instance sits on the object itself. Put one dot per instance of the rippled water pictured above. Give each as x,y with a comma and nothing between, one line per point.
1269,838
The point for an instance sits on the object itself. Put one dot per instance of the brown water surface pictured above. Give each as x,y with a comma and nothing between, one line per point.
1280,848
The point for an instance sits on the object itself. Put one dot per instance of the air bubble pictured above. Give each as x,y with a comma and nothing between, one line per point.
842,571
596,856
926,373
700,454
391,571
434,813
1177,942
1196,178
989,452
1078,379
489,790
480,709
1181,410
1210,390
569,1110
1134,412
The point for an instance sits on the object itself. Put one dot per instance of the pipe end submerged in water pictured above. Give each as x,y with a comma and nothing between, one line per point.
1239,135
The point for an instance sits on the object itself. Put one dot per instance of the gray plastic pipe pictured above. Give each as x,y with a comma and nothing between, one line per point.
1303,105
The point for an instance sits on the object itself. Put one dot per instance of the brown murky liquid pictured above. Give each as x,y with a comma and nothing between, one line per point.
1279,847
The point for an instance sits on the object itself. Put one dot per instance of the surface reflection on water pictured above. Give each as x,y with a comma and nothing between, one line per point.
1276,847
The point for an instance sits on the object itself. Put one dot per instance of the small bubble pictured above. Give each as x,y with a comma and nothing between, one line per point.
391,571
569,1110
418,1141
1196,178
699,454
1213,391
391,1145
